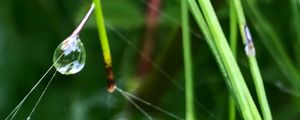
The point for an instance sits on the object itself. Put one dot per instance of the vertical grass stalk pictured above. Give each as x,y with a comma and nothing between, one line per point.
273,43
247,40
186,42
105,45
216,40
233,29
242,93
233,46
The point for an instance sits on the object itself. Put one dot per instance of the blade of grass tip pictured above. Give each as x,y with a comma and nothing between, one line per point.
233,46
224,56
272,42
105,46
186,42
83,21
250,52
294,4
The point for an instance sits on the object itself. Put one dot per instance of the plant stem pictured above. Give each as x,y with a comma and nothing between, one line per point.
105,45
215,37
232,111
83,21
258,82
272,42
233,30
233,46
186,42
260,90
144,66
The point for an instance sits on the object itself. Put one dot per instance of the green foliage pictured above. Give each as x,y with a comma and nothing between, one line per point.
215,37
121,14
188,64
31,30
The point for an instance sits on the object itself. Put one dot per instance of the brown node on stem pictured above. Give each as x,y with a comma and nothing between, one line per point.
111,88
111,85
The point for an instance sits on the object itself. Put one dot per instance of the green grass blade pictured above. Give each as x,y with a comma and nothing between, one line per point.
215,37
233,46
258,82
233,30
273,43
186,42
260,90
105,45
232,110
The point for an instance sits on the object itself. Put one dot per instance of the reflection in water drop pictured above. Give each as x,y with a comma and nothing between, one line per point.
71,55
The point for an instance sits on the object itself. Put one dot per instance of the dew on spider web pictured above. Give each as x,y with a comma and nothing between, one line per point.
131,97
72,54
159,69
69,58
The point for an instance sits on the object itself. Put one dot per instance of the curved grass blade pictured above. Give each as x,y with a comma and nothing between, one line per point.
215,37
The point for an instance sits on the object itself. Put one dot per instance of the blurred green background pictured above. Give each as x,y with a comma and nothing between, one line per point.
30,30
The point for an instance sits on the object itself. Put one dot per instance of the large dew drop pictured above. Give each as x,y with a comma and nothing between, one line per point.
69,56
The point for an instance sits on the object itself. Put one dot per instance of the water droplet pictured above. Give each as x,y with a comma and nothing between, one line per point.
247,33
69,56
250,49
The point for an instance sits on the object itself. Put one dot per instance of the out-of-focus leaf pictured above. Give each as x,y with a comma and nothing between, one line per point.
122,14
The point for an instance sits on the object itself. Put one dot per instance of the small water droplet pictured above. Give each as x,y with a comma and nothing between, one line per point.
247,33
250,49
69,56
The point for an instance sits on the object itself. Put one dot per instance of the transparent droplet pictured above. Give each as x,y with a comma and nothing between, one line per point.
247,33
250,49
249,46
69,56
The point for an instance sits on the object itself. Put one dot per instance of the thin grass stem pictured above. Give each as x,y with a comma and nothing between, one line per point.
247,40
105,46
156,66
187,57
273,44
233,46
84,20
215,37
